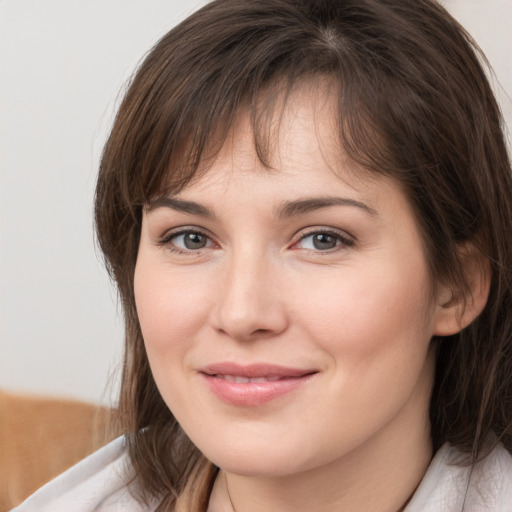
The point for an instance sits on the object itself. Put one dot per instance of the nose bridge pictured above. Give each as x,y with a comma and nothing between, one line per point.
250,304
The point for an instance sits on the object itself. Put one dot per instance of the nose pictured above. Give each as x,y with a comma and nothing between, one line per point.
250,303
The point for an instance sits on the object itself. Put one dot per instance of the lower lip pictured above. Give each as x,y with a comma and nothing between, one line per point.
250,394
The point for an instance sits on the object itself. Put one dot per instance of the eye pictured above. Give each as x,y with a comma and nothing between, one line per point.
323,241
187,240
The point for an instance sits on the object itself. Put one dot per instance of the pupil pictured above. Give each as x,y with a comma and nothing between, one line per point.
194,241
324,241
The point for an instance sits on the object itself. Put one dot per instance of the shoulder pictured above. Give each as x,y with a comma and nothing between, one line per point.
100,482
450,486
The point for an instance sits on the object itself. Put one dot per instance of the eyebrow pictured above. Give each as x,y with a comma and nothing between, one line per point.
303,206
285,210
180,205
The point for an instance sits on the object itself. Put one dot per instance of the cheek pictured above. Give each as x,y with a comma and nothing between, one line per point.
375,315
376,331
169,306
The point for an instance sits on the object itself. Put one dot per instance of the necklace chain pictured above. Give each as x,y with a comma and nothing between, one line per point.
234,509
229,494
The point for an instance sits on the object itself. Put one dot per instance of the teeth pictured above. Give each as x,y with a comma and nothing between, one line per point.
238,380
245,380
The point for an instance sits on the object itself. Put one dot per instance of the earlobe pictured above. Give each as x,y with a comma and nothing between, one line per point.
455,310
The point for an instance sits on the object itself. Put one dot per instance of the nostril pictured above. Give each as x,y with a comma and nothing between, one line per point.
261,331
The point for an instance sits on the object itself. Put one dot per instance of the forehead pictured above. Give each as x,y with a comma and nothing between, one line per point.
287,124
292,152
285,131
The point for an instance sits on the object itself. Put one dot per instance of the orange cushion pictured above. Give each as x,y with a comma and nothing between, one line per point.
42,437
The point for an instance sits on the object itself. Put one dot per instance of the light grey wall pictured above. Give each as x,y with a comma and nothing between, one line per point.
62,65
490,24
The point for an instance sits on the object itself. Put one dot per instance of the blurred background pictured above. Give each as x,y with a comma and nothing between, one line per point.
63,64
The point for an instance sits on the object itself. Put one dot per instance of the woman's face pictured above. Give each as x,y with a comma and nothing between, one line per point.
287,312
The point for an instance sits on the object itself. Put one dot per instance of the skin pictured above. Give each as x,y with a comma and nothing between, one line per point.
355,436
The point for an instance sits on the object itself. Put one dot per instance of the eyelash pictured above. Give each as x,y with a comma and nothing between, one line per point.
341,240
167,240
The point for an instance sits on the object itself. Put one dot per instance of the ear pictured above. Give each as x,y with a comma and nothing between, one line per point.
455,310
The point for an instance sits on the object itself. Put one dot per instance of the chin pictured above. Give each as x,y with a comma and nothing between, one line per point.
260,457
268,464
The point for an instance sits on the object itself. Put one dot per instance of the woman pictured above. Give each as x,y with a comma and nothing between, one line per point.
306,206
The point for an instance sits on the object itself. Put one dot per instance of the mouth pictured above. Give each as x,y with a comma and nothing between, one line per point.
252,385
245,380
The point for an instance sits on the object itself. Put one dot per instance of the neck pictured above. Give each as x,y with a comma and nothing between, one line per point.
374,492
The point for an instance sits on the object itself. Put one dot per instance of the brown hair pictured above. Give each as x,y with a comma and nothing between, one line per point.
414,104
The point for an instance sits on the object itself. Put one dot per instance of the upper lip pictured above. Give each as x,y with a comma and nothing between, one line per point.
257,370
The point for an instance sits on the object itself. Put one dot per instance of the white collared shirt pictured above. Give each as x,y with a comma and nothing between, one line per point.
98,484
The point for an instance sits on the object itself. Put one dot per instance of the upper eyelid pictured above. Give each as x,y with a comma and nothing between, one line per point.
167,236
169,233
165,240
323,229
345,240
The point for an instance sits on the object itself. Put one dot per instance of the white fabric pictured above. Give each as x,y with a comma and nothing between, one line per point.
446,487
96,485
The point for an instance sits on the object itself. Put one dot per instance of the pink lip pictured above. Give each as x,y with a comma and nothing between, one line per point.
227,381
